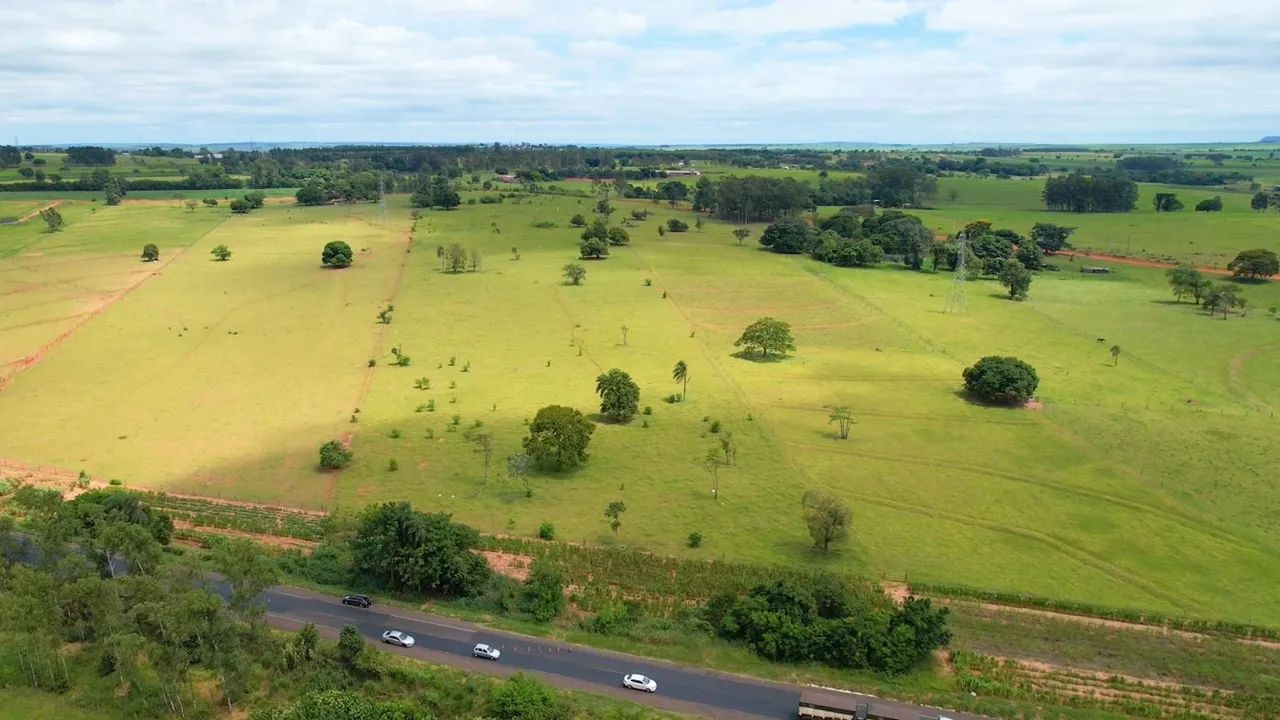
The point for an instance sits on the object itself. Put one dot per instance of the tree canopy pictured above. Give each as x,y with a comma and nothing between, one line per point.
826,517
336,254
558,437
1015,278
1051,238
407,550
789,235
619,395
1001,380
767,335
1104,191
1254,264
150,253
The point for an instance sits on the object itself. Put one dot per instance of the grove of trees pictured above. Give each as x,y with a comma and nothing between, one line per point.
410,551
1104,191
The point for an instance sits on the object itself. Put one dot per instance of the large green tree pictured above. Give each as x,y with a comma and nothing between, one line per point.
1015,278
1255,264
407,550
619,395
336,254
558,437
789,235
1002,380
1185,280
1050,237
827,518
767,335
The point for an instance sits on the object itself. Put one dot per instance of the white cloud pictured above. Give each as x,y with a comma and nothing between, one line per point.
662,71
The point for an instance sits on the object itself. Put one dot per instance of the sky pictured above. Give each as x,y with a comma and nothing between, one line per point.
639,72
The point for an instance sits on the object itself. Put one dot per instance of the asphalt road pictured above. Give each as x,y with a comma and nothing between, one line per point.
447,641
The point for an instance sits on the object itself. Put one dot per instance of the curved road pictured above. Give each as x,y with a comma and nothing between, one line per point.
694,691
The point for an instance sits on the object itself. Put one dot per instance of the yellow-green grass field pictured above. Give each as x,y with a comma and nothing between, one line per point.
1201,238
27,704
212,377
1145,484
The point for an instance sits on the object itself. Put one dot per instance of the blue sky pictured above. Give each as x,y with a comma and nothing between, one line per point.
662,71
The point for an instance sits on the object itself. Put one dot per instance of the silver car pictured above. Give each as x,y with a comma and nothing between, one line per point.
488,652
640,682
396,637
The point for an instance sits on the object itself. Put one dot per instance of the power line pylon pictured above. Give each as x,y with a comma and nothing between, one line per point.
957,303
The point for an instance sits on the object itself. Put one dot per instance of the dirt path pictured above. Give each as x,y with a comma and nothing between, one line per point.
1137,262
37,211
107,300
348,439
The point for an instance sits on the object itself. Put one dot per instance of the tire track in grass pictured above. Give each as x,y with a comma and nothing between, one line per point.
348,438
28,361
1053,542
1172,516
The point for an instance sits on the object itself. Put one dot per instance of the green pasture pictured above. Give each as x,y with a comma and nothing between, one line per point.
1201,238
1144,484
219,378
26,704
126,166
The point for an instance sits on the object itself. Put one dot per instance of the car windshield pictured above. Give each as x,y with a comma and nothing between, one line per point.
640,678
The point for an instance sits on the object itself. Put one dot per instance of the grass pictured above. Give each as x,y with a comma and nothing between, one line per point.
1144,485
1105,496
222,378
127,166
24,704
1186,236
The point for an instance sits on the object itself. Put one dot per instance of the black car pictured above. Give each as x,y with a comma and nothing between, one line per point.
357,600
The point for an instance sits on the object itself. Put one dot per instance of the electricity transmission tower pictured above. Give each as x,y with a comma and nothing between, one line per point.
957,304
382,200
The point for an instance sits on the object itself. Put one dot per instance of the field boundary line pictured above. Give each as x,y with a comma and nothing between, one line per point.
36,212
31,359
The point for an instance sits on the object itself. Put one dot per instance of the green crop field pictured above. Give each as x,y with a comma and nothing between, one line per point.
1146,484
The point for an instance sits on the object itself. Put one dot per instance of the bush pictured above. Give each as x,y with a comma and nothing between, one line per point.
547,531
524,698
543,593
1001,380
674,225
392,465
648,410
336,254
715,426
695,539
334,456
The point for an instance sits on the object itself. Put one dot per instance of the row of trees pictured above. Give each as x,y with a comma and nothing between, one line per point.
1186,281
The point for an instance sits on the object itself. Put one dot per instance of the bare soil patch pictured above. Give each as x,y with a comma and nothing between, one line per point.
511,565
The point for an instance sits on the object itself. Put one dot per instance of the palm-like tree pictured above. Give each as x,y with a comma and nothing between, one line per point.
680,374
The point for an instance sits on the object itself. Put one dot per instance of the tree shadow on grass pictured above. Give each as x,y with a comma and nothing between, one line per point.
752,356
972,399
602,419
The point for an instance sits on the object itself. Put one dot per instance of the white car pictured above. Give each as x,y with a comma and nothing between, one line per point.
640,682
488,652
395,637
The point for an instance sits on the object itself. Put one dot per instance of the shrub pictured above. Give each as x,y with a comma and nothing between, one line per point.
334,456
547,531
648,409
695,539
392,465
395,433
336,254
543,592
715,426
1001,380
674,225
524,698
